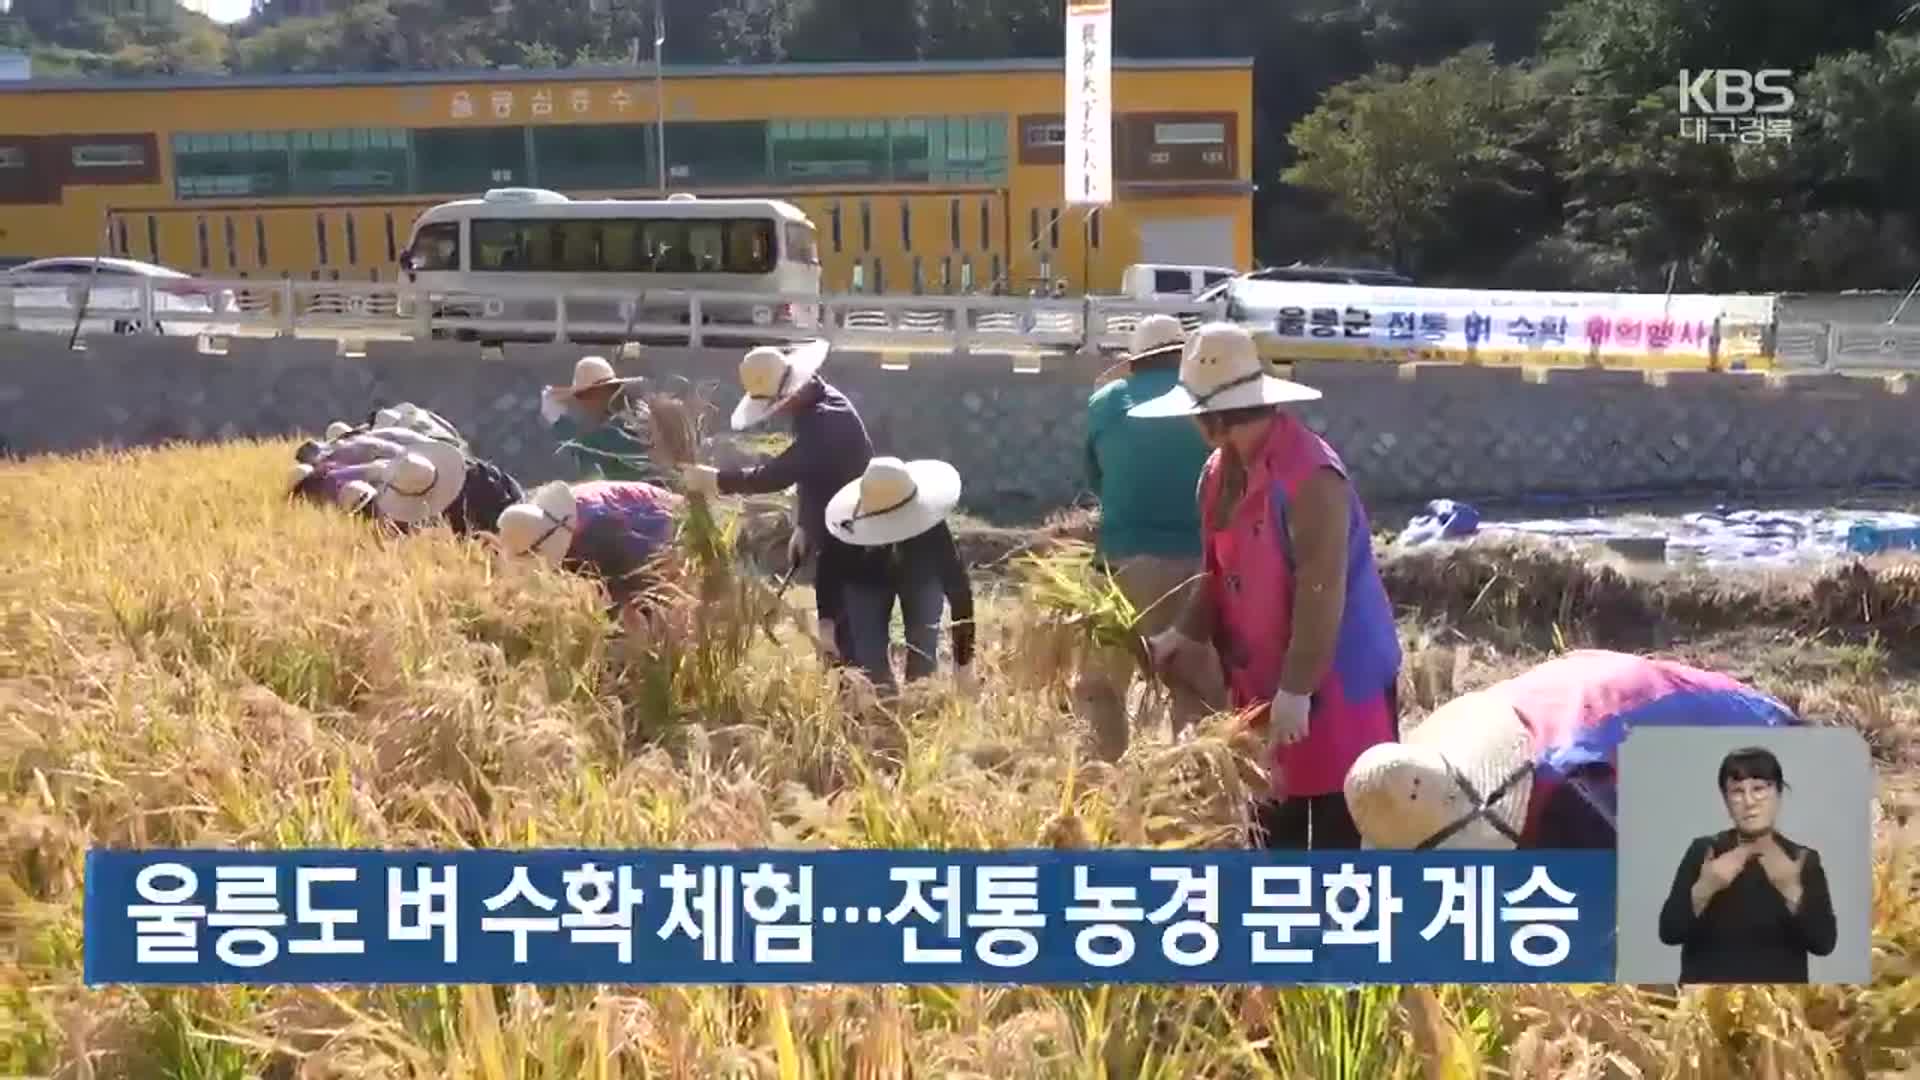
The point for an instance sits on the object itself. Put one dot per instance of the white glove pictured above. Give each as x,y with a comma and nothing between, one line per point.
1166,648
796,547
700,480
1287,719
829,646
551,407
965,680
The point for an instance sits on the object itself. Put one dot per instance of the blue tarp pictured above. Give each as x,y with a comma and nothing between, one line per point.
1719,537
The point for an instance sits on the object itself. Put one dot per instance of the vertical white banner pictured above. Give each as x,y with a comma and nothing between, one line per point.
1089,117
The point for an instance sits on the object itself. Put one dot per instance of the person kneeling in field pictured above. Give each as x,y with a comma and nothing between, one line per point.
894,517
610,529
1529,762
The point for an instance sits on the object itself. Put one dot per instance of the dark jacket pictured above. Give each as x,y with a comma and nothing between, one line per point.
488,491
830,450
1746,934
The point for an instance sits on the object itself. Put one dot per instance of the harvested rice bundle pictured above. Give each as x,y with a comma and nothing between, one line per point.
1062,586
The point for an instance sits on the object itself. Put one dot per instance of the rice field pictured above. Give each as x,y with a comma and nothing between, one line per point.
188,659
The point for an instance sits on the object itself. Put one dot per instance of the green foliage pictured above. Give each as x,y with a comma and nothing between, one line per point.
1488,142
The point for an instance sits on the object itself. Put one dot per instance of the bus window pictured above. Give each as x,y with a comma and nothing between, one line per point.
620,249
801,247
437,246
577,247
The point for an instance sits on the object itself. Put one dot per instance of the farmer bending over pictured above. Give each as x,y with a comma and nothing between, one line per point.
895,518
408,480
609,529
830,449
1293,600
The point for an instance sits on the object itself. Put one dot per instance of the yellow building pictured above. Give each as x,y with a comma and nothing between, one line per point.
940,177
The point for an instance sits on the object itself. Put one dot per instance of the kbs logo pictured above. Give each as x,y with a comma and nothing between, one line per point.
1734,91
1728,104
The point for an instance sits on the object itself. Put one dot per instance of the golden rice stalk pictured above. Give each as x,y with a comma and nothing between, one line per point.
676,430
1063,585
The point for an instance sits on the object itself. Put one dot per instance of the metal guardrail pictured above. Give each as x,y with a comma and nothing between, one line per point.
988,324
373,310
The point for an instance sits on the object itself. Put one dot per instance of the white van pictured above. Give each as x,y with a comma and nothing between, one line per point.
473,255
1162,281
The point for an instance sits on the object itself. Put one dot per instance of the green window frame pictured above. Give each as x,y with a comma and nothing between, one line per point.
352,161
466,161
229,164
718,153
594,157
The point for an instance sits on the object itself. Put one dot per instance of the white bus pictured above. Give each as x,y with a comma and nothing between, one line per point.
492,257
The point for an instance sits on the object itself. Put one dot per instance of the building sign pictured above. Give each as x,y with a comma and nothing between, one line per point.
1089,116
1316,321
546,103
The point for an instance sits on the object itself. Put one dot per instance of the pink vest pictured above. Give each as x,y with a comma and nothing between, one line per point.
1250,573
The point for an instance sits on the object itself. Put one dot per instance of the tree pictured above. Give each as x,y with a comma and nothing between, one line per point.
870,30
1394,150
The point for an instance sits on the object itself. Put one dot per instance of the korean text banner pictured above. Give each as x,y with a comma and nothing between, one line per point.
771,917
1323,321
1089,115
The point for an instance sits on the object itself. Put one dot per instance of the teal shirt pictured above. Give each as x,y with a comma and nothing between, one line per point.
620,449
1145,471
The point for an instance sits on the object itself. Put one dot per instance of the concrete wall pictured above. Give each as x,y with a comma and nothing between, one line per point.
1408,433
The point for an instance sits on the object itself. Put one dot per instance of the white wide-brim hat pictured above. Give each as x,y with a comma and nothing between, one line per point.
338,430
769,376
592,373
1220,370
420,484
542,526
1415,792
1155,335
892,501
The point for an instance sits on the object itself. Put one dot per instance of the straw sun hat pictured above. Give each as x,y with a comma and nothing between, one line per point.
892,501
769,376
414,486
1155,335
1462,778
1221,369
410,417
591,373
543,525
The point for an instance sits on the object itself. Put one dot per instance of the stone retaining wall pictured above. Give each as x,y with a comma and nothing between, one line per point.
1408,433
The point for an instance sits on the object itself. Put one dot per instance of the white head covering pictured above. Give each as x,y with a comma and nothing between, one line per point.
892,501
1426,788
1221,370
543,526
769,376
420,483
